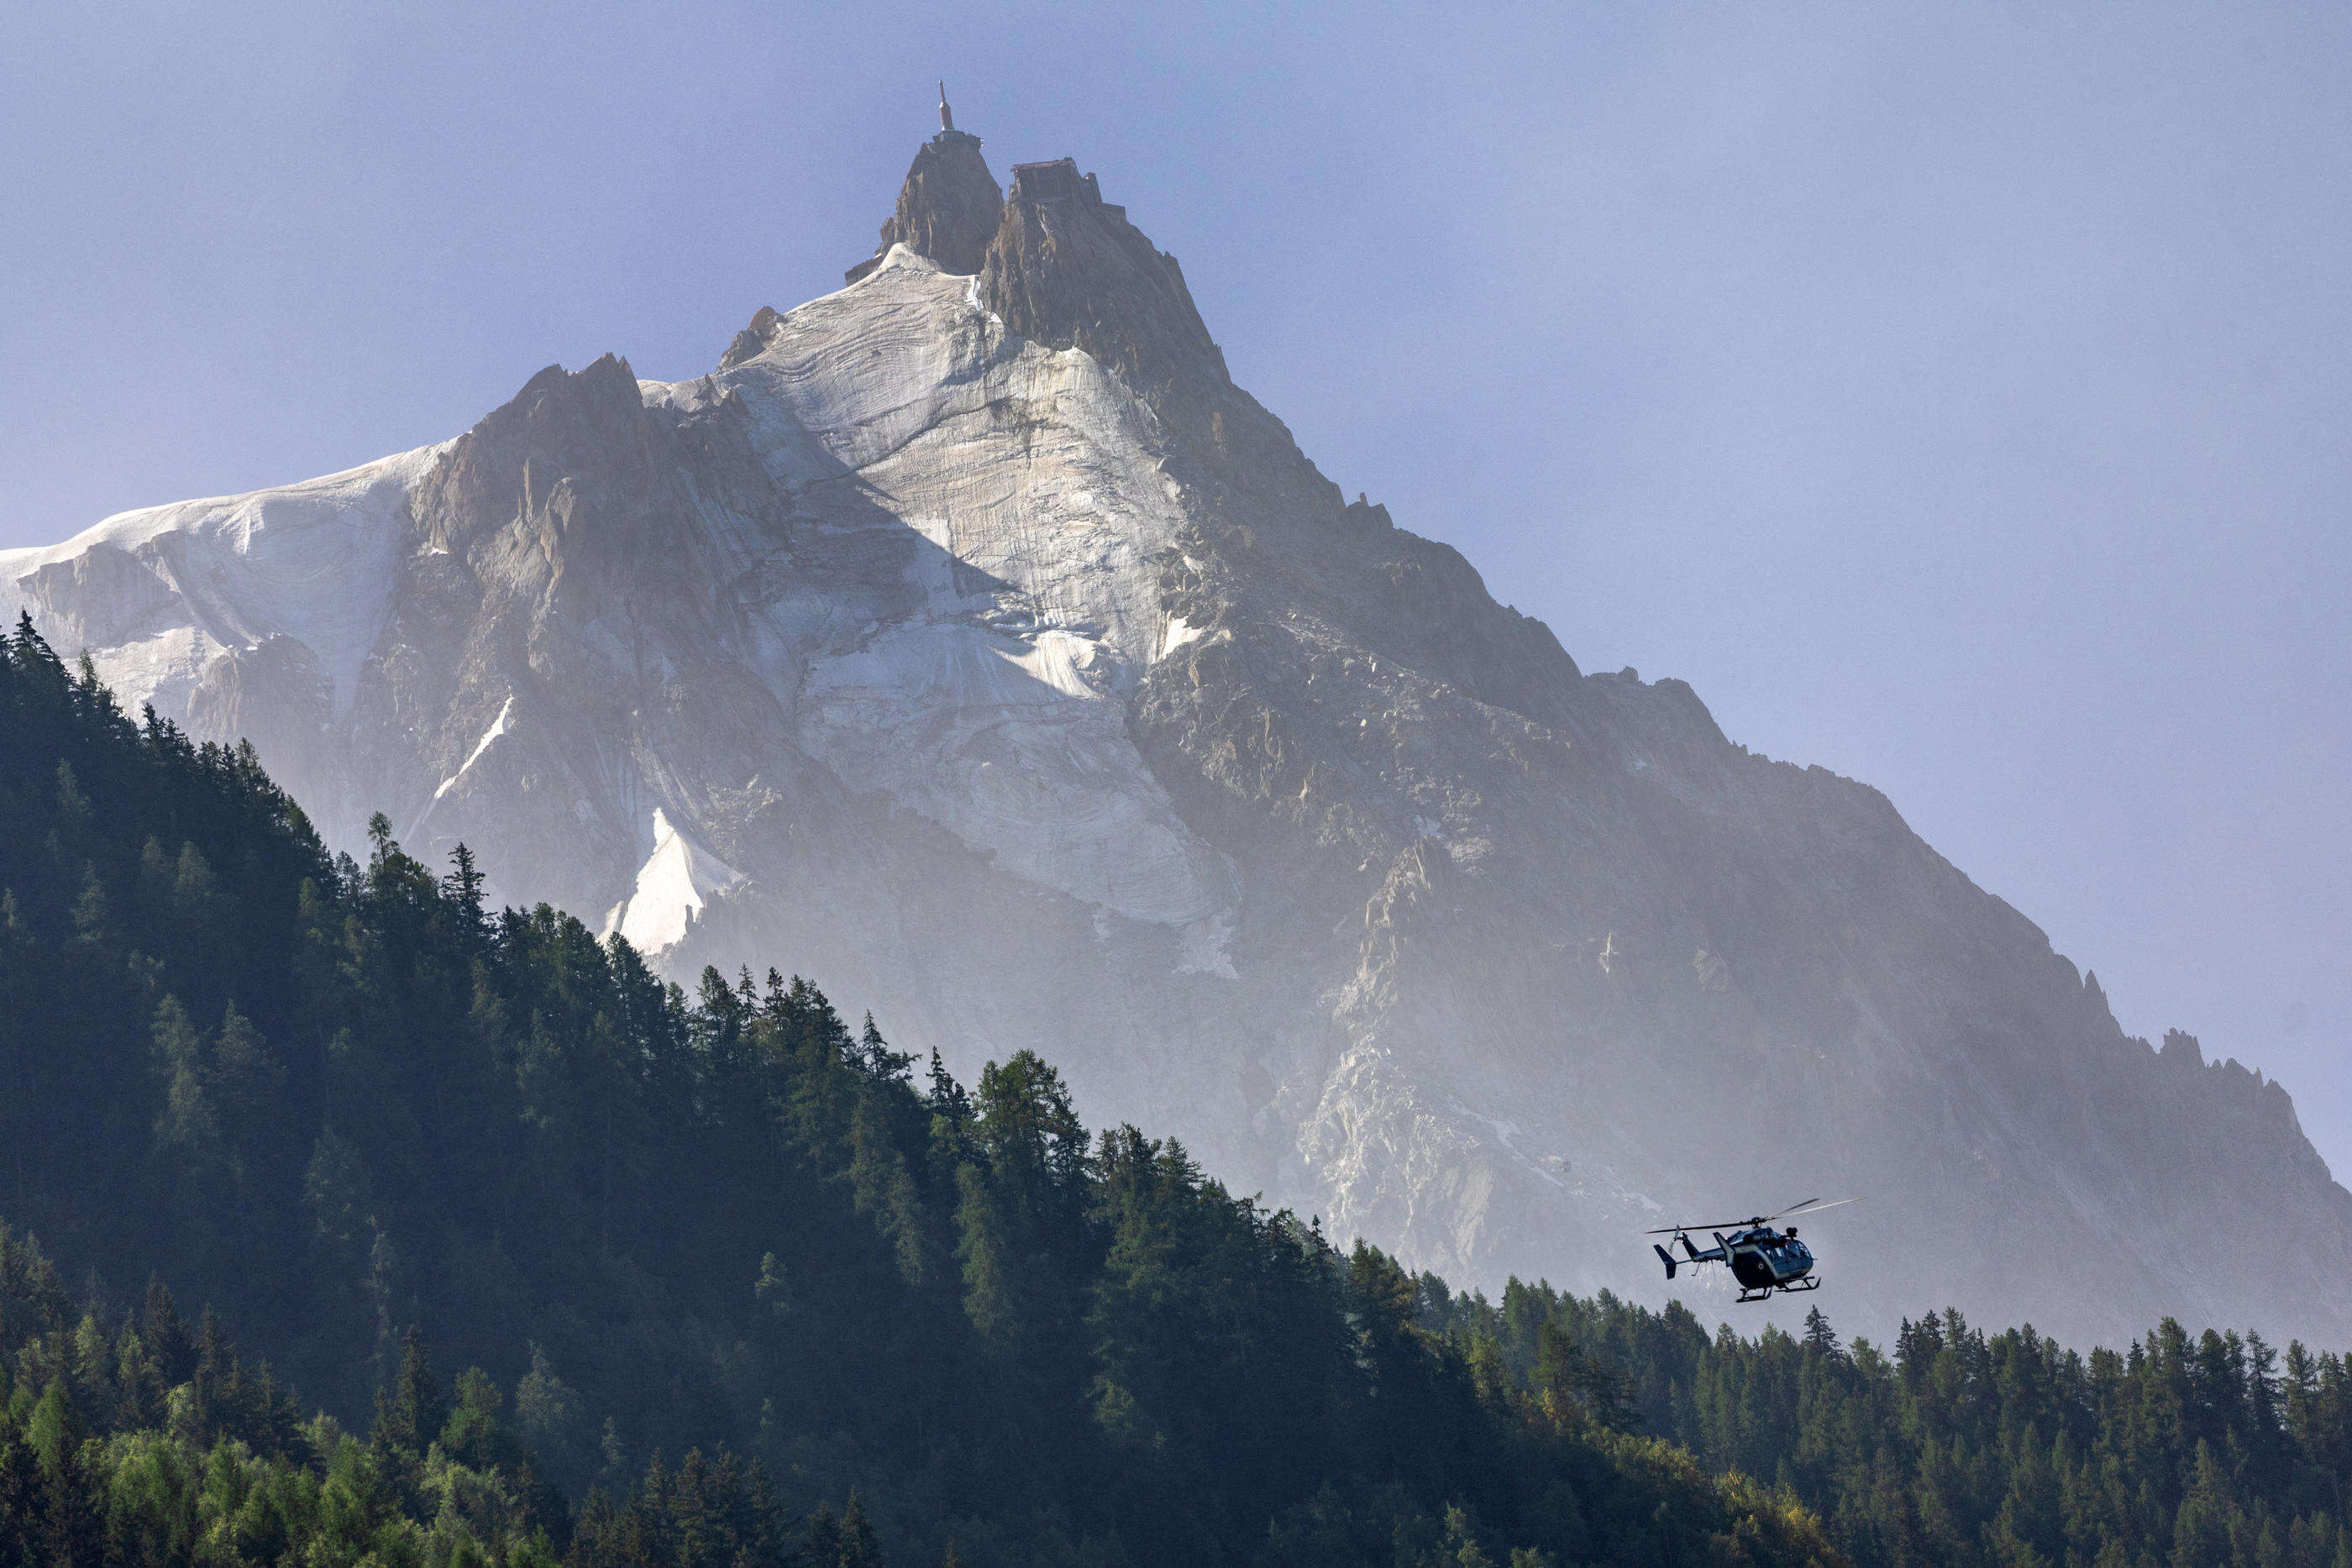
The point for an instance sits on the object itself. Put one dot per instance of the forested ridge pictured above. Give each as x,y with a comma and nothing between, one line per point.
730,1280
1960,1447
536,1259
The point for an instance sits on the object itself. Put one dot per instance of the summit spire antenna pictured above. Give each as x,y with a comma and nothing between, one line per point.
949,136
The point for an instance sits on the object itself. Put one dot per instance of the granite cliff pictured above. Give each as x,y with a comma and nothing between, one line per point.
968,640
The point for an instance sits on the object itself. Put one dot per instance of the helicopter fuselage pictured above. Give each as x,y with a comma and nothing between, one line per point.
1762,1257
1765,1259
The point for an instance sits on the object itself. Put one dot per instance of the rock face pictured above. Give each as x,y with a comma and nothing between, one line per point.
1066,269
947,209
969,641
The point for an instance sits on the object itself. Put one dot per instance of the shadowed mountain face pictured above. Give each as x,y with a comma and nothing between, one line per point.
968,640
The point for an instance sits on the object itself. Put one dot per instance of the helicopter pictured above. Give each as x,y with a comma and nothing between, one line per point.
1762,1259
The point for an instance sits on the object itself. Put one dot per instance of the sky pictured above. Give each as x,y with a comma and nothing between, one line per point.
1957,397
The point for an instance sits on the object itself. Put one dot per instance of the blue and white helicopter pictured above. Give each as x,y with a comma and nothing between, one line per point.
1763,1258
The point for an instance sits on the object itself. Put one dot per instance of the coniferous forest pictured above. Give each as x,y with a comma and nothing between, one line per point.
349,1220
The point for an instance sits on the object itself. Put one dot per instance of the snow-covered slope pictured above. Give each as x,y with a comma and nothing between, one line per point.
673,886
159,594
992,699
968,640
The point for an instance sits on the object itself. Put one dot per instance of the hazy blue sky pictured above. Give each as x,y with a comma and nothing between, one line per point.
1957,396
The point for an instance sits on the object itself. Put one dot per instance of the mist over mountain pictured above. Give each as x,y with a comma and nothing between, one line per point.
967,635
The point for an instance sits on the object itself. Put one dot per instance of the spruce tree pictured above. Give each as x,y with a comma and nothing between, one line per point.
408,1417
877,1060
822,1549
858,1547
418,1411
188,1125
248,1081
464,887
56,1429
165,1335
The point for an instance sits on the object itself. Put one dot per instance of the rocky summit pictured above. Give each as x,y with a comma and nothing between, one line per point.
968,640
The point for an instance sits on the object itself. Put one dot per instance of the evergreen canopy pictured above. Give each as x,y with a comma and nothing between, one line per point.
360,1114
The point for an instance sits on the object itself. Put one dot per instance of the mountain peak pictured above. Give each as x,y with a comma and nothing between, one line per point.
1057,263
947,206
1067,270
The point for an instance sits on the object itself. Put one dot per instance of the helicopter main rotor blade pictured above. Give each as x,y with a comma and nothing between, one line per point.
1812,1206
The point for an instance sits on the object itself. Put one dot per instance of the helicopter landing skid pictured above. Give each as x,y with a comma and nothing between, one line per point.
1765,1294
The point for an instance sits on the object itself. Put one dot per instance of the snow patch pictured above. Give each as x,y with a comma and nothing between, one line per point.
1177,634
497,728
673,886
900,255
971,297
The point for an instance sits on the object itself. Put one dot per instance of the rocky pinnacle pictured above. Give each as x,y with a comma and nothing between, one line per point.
947,205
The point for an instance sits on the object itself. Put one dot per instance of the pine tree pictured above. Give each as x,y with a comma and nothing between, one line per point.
24,1502
2200,1531
73,1530
823,1547
463,886
877,1060
1460,1547
858,1547
56,1429
31,649
418,1410
475,1434
164,1335
1819,1336
408,1417
189,1125
247,1080
73,807
93,923
547,1408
